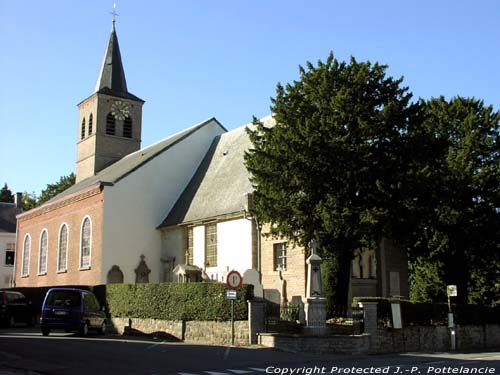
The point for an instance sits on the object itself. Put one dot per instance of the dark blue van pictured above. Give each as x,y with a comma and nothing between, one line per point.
71,310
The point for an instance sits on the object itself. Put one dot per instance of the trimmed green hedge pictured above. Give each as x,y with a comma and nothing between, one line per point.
176,301
414,313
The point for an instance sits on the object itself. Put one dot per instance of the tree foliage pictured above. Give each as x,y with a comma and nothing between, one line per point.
31,200
460,232
335,166
6,195
53,189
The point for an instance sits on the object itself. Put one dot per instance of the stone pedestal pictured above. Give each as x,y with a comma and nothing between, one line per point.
315,316
256,320
370,317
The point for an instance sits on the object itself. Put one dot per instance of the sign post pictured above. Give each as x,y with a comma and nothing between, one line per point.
451,291
234,281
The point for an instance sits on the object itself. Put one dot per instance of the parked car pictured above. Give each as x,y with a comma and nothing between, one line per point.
15,308
71,310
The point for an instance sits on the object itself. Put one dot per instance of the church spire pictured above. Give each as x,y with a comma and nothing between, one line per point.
112,76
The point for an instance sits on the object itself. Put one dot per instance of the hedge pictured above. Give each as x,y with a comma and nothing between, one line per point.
433,313
176,301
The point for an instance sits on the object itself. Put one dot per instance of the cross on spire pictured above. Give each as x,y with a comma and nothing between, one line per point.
114,14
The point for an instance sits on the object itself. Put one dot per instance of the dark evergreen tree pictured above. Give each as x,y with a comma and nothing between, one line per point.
460,232
6,195
337,165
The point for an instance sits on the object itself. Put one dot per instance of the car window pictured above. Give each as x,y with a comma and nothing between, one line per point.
68,298
90,302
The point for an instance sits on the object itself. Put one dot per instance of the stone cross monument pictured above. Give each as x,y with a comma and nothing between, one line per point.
316,303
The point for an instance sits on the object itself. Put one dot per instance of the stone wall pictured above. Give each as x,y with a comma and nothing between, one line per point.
202,332
434,339
359,344
409,339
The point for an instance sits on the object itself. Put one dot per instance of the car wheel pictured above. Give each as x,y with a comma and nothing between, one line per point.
45,331
84,329
102,329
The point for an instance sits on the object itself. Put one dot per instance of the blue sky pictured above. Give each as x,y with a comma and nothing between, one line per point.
192,59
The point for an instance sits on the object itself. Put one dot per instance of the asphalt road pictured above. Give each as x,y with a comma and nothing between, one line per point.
26,351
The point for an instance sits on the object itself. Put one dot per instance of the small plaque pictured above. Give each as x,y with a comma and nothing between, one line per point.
452,290
230,294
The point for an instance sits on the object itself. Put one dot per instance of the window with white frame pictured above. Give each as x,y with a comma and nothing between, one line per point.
10,253
85,243
211,245
279,250
42,253
25,271
62,251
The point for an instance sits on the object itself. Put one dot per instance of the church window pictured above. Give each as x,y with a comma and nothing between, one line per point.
189,246
25,271
91,120
42,254
211,245
127,127
279,250
85,243
62,251
110,124
83,128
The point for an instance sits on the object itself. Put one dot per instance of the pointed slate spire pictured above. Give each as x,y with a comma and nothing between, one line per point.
112,76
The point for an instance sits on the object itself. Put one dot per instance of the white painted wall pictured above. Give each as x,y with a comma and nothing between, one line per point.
6,272
234,248
137,204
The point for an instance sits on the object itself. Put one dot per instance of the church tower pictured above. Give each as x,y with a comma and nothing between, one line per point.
110,120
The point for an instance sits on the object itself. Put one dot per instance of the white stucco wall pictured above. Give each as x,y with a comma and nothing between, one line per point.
234,248
137,204
6,272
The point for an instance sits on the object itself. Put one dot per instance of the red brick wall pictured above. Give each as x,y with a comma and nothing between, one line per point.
72,211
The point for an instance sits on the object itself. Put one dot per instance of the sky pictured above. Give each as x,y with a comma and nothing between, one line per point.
191,60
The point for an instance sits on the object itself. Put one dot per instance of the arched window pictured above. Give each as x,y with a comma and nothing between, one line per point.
42,253
127,127
110,124
26,256
62,250
91,118
83,128
86,243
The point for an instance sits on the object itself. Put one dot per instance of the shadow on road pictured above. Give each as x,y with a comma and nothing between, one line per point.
25,349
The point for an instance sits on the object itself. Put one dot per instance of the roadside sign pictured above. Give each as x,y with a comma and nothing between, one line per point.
230,294
234,280
452,290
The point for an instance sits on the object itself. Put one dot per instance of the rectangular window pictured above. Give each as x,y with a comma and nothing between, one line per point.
10,253
279,250
211,245
189,246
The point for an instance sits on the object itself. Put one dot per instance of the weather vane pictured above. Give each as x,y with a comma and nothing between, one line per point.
114,14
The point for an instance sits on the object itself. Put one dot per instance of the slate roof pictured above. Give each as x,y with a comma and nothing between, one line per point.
220,184
8,212
111,78
133,161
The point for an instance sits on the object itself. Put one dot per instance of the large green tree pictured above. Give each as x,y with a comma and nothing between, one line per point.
338,165
459,236
53,189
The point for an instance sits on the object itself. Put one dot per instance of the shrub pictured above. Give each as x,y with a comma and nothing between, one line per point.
176,301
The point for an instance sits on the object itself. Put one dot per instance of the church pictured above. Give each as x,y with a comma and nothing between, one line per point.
135,216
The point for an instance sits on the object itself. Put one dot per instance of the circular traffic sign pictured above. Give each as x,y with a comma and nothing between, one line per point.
234,280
